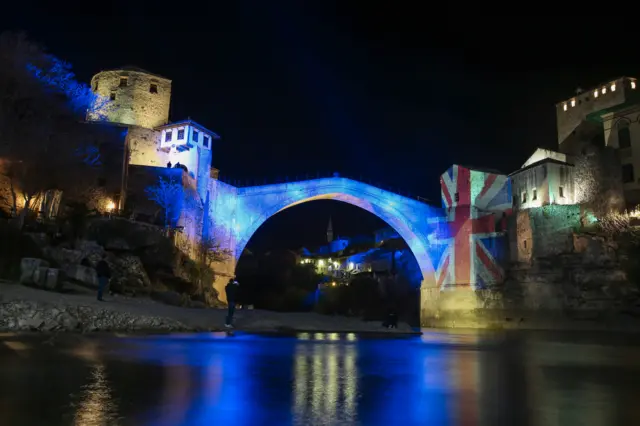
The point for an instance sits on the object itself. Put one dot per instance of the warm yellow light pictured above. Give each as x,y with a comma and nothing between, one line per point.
336,264
302,262
633,84
110,205
604,90
613,87
320,262
333,283
595,94
564,107
573,102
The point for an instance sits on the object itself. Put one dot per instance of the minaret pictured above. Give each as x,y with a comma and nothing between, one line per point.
330,231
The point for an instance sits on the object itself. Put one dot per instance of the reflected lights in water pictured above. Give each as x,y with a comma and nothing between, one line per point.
325,383
97,406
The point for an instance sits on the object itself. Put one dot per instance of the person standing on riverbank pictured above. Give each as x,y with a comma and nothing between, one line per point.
104,274
232,292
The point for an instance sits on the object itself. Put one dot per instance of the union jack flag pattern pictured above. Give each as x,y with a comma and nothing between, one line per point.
467,249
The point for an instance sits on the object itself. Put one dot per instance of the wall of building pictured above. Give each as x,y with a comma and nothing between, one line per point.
134,104
546,183
598,180
223,228
542,231
614,125
143,148
571,112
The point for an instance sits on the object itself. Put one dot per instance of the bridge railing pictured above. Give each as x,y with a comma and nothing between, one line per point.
243,183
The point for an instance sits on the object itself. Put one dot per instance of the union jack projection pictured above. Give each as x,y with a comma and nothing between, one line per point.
467,249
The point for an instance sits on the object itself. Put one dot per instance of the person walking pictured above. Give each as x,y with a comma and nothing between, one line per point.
232,292
104,274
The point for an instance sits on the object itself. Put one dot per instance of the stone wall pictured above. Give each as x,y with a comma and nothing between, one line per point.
542,231
143,148
577,282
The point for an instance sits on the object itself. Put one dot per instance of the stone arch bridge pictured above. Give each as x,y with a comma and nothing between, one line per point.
237,213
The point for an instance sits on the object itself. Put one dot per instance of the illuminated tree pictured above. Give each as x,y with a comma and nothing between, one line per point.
169,195
44,143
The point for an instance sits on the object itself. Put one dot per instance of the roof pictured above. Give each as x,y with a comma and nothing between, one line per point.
540,163
136,69
189,122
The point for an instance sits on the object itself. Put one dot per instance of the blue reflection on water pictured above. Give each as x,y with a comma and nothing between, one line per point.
313,378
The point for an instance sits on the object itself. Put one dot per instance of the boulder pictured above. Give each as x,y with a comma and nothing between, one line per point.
84,275
117,244
28,268
62,256
51,279
128,274
91,250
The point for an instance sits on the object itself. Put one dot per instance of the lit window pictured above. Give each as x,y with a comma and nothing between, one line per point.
633,84
595,94
604,90
167,136
561,191
195,135
123,81
180,134
613,87
573,102
153,88
564,107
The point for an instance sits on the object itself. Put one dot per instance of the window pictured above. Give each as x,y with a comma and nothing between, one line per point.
627,173
524,197
535,194
624,135
96,86
112,96
180,134
167,136
205,141
195,135
456,197
123,81
561,191
153,88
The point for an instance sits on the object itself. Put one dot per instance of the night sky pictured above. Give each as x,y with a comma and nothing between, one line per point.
392,95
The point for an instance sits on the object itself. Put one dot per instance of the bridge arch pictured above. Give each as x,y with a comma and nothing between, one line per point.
413,220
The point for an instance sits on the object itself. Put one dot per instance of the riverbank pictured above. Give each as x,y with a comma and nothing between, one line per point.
28,309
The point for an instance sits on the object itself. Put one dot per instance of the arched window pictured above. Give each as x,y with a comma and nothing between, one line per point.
624,135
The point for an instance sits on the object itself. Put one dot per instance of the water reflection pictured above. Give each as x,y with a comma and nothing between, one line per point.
319,379
325,383
97,406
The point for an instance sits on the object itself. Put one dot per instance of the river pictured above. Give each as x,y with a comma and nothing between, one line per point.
439,378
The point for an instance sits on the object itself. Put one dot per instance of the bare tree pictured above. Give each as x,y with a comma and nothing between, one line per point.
169,195
43,139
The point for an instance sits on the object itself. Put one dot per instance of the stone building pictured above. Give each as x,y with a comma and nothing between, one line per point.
545,178
606,116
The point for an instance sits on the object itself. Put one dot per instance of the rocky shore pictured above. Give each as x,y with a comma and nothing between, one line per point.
28,309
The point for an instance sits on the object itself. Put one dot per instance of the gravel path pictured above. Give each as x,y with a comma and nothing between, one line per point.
198,319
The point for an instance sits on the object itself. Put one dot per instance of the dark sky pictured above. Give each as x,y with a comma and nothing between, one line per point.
392,95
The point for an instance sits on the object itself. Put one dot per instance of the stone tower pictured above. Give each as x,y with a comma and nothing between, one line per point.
139,97
330,231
